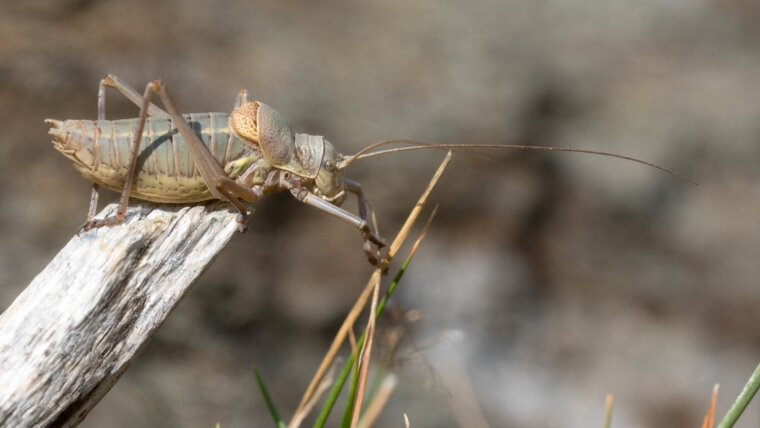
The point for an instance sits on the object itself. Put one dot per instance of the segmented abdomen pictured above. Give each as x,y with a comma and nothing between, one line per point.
166,171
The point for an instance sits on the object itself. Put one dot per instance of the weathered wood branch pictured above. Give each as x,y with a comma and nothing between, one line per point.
68,337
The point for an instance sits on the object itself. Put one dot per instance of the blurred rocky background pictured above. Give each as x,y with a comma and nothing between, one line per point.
546,281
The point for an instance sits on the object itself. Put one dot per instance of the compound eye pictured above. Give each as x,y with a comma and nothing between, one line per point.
330,166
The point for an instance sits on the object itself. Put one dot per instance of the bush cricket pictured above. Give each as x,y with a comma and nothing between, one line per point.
237,157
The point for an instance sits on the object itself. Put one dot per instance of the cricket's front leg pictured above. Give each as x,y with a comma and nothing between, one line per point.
366,213
308,198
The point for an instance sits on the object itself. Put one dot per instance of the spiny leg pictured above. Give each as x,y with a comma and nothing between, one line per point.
233,192
102,99
112,81
364,210
93,201
101,116
130,177
221,186
308,198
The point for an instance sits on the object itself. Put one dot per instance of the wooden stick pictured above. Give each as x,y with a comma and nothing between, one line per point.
70,335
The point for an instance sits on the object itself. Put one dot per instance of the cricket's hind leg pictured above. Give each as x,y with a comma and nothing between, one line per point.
114,82
117,218
220,186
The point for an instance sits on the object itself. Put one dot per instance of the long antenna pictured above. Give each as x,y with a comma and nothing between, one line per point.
363,154
360,153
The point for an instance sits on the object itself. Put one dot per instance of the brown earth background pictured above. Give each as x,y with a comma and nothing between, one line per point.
546,280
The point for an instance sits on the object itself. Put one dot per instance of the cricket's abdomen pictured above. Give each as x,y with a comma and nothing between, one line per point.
166,172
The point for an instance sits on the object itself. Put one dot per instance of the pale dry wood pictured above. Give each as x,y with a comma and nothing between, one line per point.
69,336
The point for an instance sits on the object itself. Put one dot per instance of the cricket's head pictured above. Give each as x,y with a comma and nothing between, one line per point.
328,183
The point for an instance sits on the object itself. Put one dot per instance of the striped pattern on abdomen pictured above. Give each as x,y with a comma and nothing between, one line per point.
166,171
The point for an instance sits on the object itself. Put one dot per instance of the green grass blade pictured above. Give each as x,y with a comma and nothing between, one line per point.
278,422
332,397
348,414
340,381
741,402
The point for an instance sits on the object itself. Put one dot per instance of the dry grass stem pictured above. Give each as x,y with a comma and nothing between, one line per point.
323,386
340,337
365,358
608,402
424,232
352,340
709,420
464,402
361,302
379,401
407,227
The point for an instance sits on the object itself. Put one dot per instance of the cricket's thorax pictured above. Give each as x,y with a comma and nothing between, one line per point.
166,171
263,126
310,157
